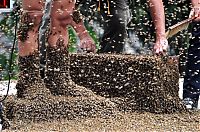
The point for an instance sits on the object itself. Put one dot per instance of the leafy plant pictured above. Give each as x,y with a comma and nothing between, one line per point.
4,66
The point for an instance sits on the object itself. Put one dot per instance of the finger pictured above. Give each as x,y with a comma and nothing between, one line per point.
197,19
94,48
83,45
196,12
158,51
84,50
91,48
159,54
191,13
165,45
161,51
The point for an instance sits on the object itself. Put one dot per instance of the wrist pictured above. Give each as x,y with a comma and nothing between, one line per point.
83,35
160,36
195,3
196,6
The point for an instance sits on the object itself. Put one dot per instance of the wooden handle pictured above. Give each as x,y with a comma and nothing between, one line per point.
178,27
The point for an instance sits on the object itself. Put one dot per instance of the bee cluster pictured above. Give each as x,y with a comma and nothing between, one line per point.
29,82
36,104
26,24
120,83
49,108
143,83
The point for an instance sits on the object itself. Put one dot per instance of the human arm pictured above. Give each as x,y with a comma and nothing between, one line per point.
195,12
158,16
86,42
195,2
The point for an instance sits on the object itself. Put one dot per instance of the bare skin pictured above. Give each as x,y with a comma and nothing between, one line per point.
157,12
60,18
34,9
195,12
61,12
86,42
158,16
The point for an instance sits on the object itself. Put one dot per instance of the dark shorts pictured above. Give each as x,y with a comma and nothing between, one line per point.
115,26
191,86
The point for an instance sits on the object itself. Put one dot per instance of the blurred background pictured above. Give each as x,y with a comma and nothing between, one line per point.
140,30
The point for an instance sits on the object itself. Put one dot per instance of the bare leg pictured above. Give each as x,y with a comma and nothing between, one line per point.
57,74
29,24
29,82
61,17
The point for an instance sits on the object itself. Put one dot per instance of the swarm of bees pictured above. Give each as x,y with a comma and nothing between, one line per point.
121,83
144,83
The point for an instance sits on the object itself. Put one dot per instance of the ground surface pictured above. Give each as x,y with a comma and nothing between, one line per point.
122,122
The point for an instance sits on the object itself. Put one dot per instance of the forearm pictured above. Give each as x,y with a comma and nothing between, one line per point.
86,42
158,16
80,30
195,2
28,27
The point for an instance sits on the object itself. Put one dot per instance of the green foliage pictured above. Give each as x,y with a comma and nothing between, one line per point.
4,66
7,25
72,40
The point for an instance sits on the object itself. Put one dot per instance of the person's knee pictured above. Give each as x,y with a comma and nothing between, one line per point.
32,12
61,12
29,20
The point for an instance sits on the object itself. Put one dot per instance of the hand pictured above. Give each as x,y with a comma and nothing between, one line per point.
87,44
195,12
173,60
160,47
